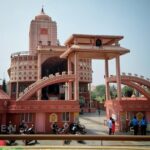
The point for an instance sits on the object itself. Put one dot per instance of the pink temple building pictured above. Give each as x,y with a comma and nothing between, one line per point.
48,81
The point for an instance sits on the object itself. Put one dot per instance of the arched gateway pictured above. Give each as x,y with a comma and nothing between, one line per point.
85,46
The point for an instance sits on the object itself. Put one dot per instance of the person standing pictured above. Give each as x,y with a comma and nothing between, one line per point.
113,126
110,125
99,111
10,130
143,125
135,124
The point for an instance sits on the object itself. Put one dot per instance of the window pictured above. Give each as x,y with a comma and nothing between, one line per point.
14,88
27,117
98,43
40,42
49,43
65,116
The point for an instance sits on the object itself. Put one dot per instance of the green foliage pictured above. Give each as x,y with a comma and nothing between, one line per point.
99,93
82,101
100,90
4,86
127,91
93,95
113,91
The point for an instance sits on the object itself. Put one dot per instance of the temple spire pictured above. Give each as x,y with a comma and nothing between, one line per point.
42,10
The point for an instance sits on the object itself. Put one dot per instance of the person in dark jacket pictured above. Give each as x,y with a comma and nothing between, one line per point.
135,124
143,125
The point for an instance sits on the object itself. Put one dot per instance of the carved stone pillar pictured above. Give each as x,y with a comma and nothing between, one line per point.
39,75
106,77
76,82
69,83
118,77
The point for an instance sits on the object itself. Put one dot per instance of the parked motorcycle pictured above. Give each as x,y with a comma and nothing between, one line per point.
57,130
28,131
77,128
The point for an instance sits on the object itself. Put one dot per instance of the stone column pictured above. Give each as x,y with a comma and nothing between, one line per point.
118,77
66,91
90,104
39,75
76,82
69,83
106,78
17,78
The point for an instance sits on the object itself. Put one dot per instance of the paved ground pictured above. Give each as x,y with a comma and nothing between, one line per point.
94,125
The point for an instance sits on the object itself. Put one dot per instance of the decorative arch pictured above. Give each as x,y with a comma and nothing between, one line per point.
134,82
45,81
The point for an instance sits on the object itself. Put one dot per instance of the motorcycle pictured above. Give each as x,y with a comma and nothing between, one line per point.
76,128
81,128
57,130
28,131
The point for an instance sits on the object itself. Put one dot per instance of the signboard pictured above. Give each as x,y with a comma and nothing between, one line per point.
53,117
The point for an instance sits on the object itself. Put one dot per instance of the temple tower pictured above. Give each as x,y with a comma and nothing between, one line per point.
43,31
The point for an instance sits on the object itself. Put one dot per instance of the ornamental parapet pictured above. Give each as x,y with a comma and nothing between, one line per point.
131,77
23,53
103,47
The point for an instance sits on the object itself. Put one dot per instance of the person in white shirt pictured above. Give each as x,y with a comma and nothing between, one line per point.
109,123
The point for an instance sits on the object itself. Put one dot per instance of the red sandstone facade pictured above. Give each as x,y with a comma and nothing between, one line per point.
48,81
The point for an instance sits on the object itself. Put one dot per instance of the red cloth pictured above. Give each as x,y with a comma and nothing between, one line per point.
2,143
113,128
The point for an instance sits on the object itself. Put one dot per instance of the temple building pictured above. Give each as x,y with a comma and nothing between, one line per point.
41,61
52,83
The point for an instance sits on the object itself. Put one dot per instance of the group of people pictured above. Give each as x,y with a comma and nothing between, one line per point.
111,126
139,125
23,129
135,123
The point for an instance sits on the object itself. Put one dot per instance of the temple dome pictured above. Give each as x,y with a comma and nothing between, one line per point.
42,16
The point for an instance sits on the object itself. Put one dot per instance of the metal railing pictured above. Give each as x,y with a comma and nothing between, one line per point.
100,138
75,137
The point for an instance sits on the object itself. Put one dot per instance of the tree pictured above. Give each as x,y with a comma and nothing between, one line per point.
4,86
99,93
82,101
127,91
113,91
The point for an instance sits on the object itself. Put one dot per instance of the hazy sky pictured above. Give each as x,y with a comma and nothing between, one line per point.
130,18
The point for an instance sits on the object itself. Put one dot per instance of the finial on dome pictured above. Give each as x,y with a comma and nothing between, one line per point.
42,10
